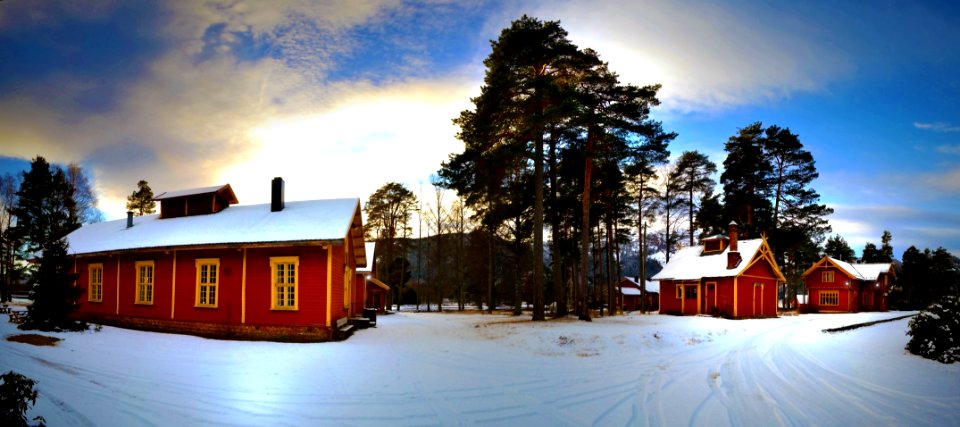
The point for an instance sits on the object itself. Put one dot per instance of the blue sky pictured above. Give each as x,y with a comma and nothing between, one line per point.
341,97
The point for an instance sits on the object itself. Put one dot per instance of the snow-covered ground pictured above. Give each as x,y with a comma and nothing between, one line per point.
452,369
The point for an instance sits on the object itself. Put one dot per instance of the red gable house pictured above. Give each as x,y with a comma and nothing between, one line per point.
204,266
837,286
723,276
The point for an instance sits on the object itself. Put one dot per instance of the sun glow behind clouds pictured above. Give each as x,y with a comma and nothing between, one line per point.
379,134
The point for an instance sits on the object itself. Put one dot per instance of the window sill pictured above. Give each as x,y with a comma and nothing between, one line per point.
284,309
204,306
143,303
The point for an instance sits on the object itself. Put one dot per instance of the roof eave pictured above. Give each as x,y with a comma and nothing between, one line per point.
230,245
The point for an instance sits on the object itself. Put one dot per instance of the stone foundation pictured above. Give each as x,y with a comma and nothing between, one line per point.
216,330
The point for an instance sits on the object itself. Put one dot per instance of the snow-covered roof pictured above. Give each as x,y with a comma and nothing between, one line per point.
856,271
872,271
312,220
191,192
688,264
652,286
370,246
630,291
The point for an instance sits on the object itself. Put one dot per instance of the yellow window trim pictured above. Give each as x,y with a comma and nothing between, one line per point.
139,282
215,263
296,282
679,291
828,277
92,283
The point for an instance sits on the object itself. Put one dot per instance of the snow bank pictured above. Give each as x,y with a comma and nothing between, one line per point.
451,369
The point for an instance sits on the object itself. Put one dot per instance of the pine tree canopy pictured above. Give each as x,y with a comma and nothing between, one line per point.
45,209
838,248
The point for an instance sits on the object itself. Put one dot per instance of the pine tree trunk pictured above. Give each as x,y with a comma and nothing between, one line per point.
583,312
690,206
611,296
538,310
598,290
490,303
559,287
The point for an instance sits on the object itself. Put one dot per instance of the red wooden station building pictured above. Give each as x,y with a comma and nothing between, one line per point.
723,276
207,266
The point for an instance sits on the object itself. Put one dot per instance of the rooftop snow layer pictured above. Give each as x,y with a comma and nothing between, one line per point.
688,264
298,221
369,247
862,271
652,286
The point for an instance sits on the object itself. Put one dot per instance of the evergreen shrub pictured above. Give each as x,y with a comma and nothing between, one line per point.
935,331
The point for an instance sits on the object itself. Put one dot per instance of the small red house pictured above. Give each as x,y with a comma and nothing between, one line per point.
838,286
207,266
630,294
722,276
375,292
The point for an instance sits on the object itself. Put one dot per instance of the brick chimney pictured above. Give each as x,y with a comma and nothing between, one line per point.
733,255
276,195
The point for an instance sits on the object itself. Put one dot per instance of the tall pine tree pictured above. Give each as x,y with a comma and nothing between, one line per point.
388,214
46,213
693,176
140,202
549,113
746,182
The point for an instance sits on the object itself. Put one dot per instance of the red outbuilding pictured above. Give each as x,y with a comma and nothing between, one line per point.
630,294
206,266
375,291
722,276
838,286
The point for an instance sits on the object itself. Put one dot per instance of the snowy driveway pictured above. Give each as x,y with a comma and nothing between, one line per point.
449,369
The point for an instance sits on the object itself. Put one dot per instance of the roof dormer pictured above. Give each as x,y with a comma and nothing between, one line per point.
715,244
196,201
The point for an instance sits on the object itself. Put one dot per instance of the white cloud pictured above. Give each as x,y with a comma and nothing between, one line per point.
948,181
949,149
190,121
708,57
372,135
936,127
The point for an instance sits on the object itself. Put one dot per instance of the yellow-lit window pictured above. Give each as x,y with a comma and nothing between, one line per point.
95,290
283,273
208,277
829,298
144,282
827,277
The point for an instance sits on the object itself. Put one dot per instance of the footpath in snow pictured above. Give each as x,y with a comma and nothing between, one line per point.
452,369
